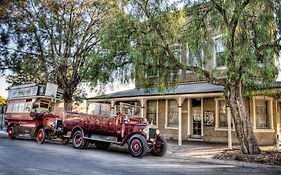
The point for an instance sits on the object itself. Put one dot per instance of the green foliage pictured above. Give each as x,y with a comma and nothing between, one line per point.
149,34
55,41
134,38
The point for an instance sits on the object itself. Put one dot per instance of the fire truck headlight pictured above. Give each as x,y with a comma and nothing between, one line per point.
157,131
145,130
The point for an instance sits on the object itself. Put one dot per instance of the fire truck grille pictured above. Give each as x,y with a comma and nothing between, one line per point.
152,133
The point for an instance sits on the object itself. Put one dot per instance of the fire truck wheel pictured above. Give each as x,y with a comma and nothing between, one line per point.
78,141
41,135
11,132
65,140
137,146
86,144
102,145
160,147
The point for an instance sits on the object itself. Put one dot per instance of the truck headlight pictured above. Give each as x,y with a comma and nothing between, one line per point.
145,130
157,131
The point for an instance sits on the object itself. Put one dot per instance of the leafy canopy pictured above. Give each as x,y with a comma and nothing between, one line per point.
153,36
56,41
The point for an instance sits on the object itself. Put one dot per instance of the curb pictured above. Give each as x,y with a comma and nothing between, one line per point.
3,132
228,162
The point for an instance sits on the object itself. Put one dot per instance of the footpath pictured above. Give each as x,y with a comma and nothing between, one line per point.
204,152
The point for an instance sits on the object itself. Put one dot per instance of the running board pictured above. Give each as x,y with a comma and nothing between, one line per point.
103,138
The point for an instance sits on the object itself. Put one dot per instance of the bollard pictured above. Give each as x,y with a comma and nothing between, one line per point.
277,142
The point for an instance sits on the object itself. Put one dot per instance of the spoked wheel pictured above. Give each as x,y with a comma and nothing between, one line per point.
78,141
138,146
11,132
41,135
160,147
65,140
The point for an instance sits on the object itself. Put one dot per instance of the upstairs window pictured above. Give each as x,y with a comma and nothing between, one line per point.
219,49
194,59
177,52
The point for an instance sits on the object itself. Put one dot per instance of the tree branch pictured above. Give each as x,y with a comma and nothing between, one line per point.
275,44
221,11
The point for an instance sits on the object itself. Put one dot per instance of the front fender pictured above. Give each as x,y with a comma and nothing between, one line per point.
125,140
74,129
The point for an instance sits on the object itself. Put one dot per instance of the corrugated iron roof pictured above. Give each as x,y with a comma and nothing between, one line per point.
179,89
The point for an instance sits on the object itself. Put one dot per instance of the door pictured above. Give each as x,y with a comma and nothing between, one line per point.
196,117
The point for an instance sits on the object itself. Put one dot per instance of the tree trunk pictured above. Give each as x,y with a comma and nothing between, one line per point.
240,115
67,101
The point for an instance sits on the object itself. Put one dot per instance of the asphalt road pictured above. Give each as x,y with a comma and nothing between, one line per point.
26,157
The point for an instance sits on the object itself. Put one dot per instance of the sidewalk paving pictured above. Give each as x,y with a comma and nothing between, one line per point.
3,132
205,151
195,149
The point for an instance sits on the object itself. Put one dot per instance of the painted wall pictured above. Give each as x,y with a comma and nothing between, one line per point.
211,133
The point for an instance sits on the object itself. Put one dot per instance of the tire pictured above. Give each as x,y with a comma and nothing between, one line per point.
11,132
40,136
78,141
86,144
160,148
65,140
102,145
137,146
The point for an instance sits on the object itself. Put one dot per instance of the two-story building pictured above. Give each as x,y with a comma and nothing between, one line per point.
195,109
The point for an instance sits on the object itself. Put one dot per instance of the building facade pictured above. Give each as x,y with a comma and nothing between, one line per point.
196,111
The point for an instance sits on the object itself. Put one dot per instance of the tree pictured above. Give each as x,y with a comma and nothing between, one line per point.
151,32
55,41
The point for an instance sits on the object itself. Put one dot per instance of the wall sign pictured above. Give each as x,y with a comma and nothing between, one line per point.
209,118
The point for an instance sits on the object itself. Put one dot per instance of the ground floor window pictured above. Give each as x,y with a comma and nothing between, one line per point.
222,114
151,111
262,114
172,113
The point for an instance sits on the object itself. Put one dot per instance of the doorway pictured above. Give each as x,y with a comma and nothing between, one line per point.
196,117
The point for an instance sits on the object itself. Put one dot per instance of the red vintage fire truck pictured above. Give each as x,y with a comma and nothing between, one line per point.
31,112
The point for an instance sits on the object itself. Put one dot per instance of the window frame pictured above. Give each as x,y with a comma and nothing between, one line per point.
166,115
217,126
19,106
156,111
223,67
270,114
200,61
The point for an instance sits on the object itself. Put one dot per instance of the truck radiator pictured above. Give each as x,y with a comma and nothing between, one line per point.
152,133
